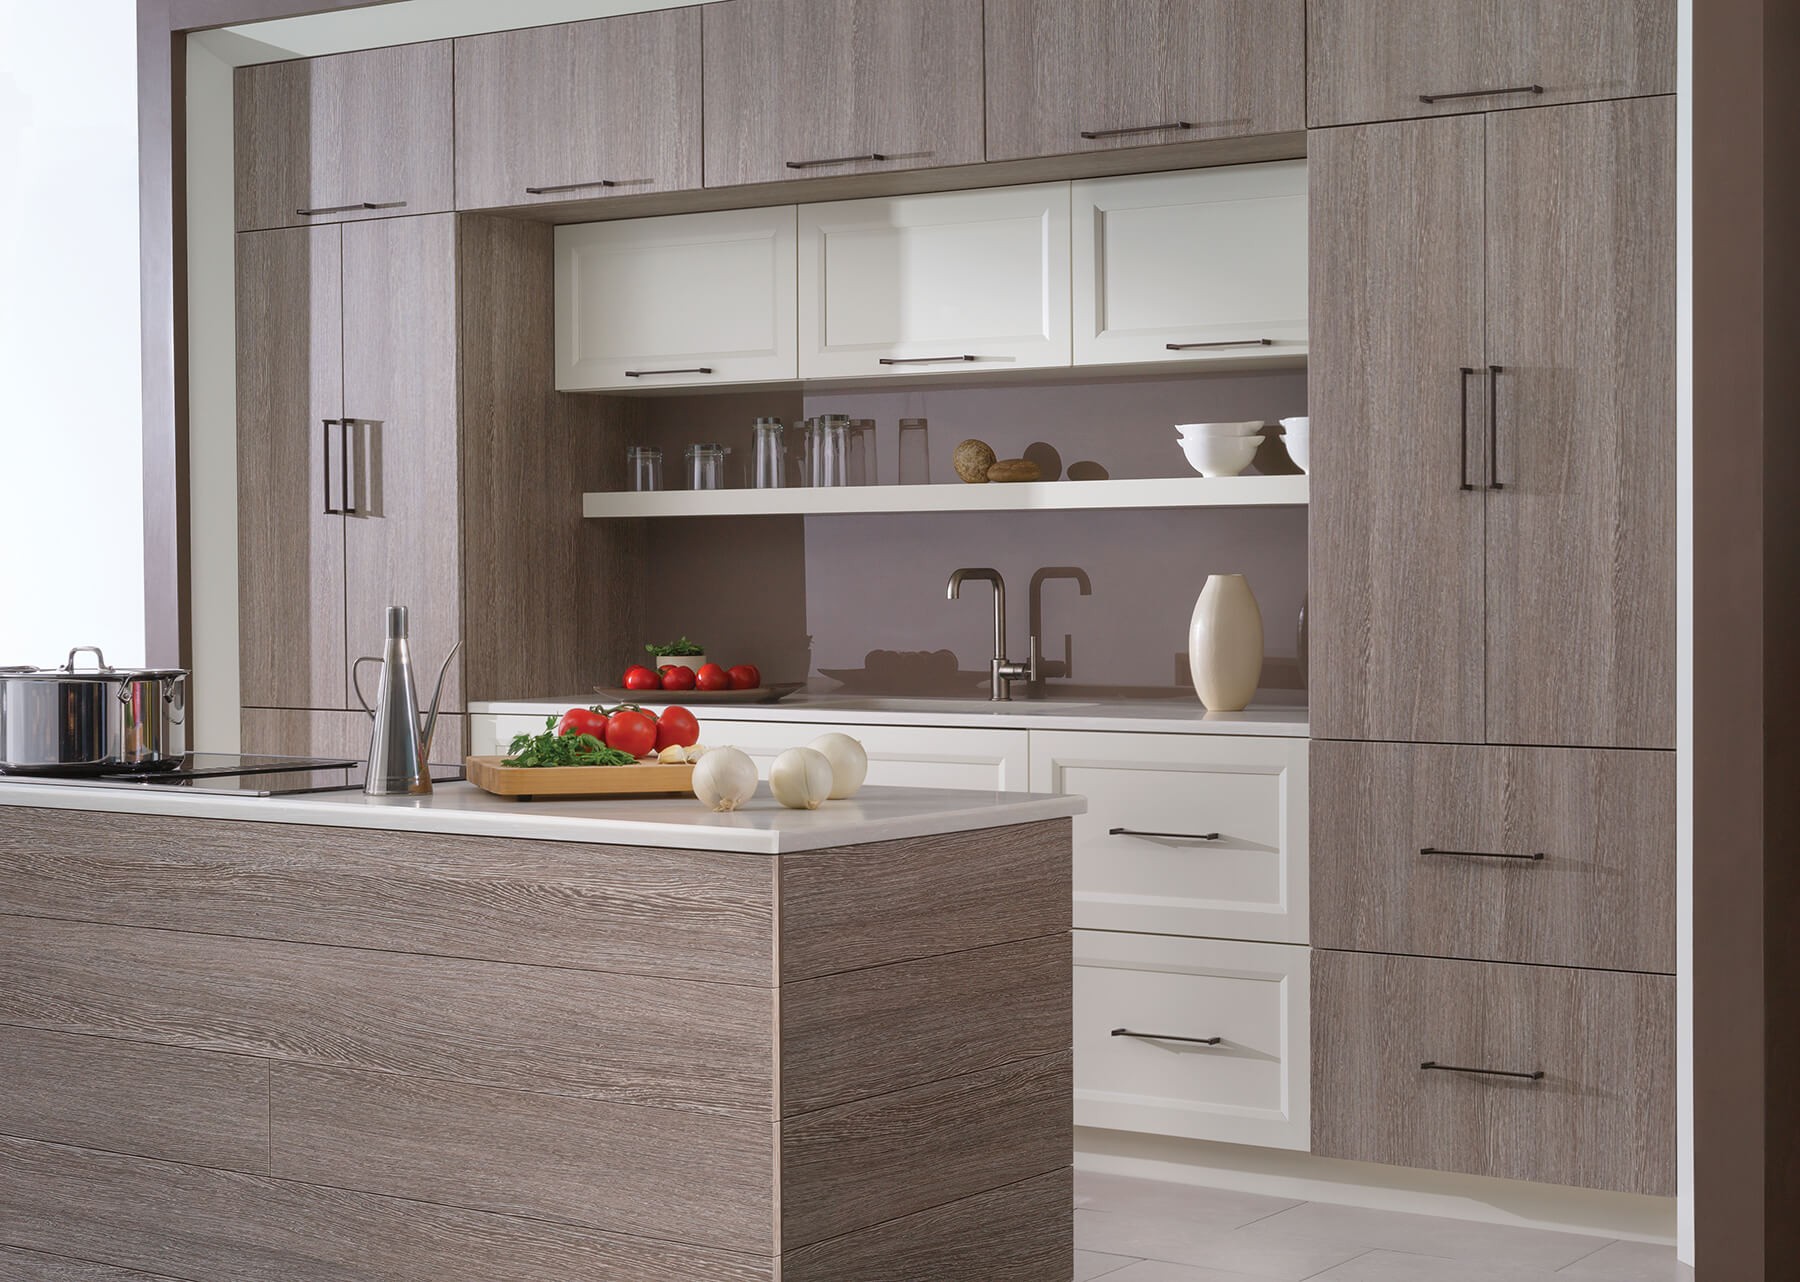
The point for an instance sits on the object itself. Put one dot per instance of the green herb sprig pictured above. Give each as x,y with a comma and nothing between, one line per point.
679,649
552,749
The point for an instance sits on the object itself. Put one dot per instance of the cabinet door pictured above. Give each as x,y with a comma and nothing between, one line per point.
352,135
402,538
290,460
969,280
1204,265
1581,516
1396,510
686,300
1091,75
1379,59
806,88
578,111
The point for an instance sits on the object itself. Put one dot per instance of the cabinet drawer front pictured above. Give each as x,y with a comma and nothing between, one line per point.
1168,874
1193,262
1602,894
928,280
1376,59
1250,1087
1601,1116
691,299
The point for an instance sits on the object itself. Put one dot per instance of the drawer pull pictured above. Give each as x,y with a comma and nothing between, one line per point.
924,360
1480,93
646,373
1483,1072
1227,342
1168,1037
838,160
344,209
1534,857
1136,129
598,182
1182,836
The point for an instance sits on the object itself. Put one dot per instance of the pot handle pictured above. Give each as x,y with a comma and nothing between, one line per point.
99,659
356,681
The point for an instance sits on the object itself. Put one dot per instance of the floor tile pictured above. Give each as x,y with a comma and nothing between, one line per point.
1101,1192
1352,1226
1629,1262
1402,1266
1163,1271
1091,1264
1202,1243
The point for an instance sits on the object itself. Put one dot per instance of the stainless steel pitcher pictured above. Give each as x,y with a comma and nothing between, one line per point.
399,748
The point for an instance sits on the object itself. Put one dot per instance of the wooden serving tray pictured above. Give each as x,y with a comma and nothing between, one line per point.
523,783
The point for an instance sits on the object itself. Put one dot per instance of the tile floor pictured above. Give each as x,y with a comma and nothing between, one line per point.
1129,1230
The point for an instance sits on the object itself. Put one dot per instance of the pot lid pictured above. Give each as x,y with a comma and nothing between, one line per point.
100,671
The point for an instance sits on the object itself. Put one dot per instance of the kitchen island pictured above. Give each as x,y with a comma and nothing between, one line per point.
456,1038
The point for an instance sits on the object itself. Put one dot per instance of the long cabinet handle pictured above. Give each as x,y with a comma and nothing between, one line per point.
1137,129
646,373
1494,372
1536,1076
837,160
325,452
1185,836
924,360
1229,342
344,426
344,209
1463,445
1480,93
1535,857
598,182
1167,1037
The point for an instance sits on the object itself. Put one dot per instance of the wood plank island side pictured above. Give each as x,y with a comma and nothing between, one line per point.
392,1121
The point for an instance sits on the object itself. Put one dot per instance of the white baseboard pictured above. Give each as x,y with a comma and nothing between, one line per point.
1282,1173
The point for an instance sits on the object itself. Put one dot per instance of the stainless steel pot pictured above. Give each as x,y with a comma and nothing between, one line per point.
71,720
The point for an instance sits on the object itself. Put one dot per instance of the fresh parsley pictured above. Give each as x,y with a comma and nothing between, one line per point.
680,649
552,749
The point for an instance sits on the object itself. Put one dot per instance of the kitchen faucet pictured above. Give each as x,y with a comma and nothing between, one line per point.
1042,668
1003,671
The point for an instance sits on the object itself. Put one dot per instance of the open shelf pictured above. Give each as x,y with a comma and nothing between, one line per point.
1028,496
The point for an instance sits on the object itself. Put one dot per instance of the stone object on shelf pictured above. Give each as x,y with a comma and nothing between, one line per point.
1015,469
972,460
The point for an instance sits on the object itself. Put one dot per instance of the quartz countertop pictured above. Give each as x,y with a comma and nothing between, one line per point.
763,827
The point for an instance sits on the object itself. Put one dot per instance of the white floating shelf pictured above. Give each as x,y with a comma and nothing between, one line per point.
1027,496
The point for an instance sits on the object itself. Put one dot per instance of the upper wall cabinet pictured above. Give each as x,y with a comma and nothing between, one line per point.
803,88
1207,264
1393,59
352,135
581,110
1089,75
963,280
690,299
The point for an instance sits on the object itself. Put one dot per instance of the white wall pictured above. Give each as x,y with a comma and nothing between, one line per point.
71,511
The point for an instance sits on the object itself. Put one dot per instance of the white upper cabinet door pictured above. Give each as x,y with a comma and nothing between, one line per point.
1204,264
966,280
691,299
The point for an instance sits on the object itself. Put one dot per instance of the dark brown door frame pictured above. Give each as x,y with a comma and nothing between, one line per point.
1746,573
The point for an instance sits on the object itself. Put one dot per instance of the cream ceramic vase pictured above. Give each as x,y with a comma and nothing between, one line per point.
1225,643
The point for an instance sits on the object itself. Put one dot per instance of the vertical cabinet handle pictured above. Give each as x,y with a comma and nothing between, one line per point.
1463,445
325,451
1494,372
344,426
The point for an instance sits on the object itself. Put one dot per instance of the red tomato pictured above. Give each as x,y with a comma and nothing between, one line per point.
638,677
676,677
631,731
745,677
712,677
676,726
583,721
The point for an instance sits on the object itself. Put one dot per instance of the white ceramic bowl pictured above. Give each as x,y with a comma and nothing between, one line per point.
1220,455
1189,431
1298,439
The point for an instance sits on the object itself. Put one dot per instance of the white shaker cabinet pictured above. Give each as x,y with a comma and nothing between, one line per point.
936,283
1202,264
685,300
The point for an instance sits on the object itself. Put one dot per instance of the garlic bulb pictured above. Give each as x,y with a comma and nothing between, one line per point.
849,763
725,779
800,778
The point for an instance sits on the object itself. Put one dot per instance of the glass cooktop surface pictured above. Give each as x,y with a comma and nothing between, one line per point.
244,775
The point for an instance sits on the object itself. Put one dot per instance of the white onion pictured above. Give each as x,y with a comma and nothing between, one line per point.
800,778
849,763
725,779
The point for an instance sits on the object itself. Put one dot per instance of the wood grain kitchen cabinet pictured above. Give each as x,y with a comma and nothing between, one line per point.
969,280
402,541
1378,59
1094,75
1396,546
1207,264
291,464
346,136
579,110
803,88
1424,1062
1549,856
685,300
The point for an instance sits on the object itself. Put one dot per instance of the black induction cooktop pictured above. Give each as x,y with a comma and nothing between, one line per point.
240,775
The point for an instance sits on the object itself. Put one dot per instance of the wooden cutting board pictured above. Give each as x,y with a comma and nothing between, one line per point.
523,784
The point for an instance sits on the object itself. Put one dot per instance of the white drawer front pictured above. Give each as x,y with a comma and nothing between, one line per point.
1251,1087
1167,873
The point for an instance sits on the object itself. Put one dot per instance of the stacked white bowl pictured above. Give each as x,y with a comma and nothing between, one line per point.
1220,449
1297,436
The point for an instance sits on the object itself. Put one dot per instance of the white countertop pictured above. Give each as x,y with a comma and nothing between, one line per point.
764,828
1164,716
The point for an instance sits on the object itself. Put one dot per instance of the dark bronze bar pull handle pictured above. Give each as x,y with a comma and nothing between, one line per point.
344,426
344,209
325,449
598,182
1230,342
1137,129
1185,836
1494,372
1463,467
1534,857
1483,1072
1480,93
923,360
646,373
1168,1037
836,160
